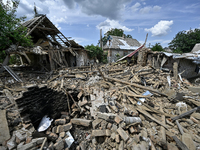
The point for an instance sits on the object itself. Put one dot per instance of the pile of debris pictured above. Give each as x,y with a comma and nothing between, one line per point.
106,107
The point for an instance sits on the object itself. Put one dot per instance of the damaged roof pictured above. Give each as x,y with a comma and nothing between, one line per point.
194,55
42,27
117,42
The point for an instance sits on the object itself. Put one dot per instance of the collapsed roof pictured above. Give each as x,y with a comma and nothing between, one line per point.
41,27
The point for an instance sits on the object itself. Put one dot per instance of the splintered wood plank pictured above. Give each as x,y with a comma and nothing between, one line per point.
4,130
152,118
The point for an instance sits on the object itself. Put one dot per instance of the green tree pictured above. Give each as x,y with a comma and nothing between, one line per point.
157,47
115,31
95,52
184,41
11,30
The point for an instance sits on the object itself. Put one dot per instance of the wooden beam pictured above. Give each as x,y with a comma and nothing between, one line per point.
136,85
35,26
152,118
45,28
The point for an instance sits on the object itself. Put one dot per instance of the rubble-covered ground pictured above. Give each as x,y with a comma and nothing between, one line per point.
106,107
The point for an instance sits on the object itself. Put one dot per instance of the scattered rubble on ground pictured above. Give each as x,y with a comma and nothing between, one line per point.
107,107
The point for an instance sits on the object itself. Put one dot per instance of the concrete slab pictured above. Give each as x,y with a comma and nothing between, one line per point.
4,130
194,89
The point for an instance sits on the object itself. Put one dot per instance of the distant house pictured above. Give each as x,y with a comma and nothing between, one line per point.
118,47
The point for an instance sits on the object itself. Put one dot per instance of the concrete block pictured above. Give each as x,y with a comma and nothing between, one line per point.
62,135
106,116
82,122
59,145
60,121
123,134
187,140
20,137
117,138
54,129
121,145
52,136
118,119
96,122
4,130
67,127
96,133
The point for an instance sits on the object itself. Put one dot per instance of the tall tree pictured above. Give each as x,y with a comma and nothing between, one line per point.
184,41
116,32
11,30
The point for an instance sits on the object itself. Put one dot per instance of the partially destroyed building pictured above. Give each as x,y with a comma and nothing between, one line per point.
51,48
187,63
119,46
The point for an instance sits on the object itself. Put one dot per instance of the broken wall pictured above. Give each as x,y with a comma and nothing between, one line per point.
82,58
115,54
189,67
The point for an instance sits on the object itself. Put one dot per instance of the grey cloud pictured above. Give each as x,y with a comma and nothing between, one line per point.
110,9
69,3
26,8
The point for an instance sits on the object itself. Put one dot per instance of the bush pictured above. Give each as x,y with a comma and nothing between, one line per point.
95,52
157,47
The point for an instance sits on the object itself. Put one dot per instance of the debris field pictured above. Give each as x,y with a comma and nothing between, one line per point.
117,107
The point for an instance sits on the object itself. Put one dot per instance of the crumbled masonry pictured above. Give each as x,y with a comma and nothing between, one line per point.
105,107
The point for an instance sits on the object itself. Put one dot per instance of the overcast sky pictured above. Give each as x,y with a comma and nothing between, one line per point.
82,19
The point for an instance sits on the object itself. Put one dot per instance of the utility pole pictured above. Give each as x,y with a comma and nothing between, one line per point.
101,43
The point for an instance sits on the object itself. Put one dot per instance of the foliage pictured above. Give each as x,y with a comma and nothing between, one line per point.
128,36
157,47
2,56
105,60
116,32
184,41
12,32
95,52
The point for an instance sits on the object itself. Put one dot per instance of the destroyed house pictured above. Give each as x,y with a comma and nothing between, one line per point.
51,48
186,64
118,47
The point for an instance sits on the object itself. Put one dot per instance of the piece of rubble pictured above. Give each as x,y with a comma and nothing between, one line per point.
30,145
187,140
12,142
123,134
117,138
66,127
82,122
96,122
196,115
96,133
4,130
106,116
60,121
118,119
59,145
52,136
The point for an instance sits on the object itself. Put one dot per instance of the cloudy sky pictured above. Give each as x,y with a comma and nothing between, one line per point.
82,19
